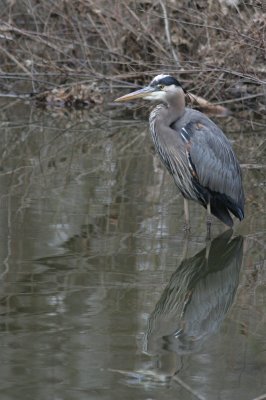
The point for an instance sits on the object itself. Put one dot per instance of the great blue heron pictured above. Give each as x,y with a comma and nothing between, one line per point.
195,151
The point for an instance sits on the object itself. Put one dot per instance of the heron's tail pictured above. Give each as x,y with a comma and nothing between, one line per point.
221,212
220,207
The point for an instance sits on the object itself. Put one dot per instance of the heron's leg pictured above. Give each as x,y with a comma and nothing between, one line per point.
186,210
208,221
185,246
208,247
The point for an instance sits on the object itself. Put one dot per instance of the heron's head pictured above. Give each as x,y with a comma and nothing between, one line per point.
162,88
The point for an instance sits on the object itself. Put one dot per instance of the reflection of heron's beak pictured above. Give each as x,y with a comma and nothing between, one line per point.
138,94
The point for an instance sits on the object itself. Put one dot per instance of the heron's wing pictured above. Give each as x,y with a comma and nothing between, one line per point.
212,159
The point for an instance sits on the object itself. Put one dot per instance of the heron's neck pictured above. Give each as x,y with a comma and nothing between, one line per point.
161,119
174,110
163,116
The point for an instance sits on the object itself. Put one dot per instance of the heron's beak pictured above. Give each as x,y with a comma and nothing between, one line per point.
138,94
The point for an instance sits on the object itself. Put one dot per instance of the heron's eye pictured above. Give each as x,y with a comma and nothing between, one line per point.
160,87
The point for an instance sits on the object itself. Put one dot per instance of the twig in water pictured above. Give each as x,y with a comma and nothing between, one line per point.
189,389
262,397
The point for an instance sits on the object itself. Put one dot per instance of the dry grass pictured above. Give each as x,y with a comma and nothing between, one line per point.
217,50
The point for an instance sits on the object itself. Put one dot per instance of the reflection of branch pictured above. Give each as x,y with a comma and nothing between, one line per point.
148,374
189,389
253,166
9,226
262,397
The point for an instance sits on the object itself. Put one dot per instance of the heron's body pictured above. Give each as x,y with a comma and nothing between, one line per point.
195,151
205,156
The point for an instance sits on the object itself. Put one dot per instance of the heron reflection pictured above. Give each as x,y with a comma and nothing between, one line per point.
194,303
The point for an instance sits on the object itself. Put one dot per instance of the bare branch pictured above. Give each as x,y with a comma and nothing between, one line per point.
167,33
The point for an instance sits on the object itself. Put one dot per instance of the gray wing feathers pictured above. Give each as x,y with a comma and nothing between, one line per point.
215,162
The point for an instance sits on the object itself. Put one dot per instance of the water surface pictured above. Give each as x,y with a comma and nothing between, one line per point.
102,297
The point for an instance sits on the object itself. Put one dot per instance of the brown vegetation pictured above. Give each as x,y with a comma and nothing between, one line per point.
217,48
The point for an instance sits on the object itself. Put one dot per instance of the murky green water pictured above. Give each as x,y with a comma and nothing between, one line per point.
101,295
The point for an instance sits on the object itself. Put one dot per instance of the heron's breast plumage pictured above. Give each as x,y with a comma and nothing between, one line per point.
173,153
